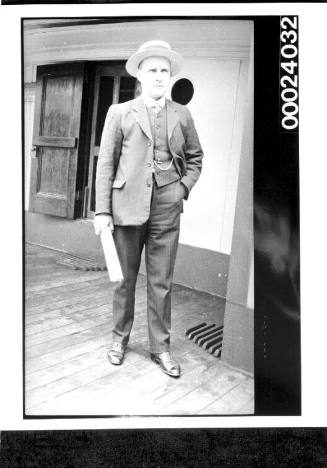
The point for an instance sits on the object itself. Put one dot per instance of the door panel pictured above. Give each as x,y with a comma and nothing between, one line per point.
58,104
112,85
53,171
55,139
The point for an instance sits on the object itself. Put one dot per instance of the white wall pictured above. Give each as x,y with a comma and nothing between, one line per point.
217,109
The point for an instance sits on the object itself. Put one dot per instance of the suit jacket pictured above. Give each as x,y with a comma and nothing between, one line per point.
124,171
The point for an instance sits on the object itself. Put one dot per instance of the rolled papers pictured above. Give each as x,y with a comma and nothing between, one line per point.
110,253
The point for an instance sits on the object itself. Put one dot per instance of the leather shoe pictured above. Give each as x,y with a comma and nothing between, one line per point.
166,363
116,354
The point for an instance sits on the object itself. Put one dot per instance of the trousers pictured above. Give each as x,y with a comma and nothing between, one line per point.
159,235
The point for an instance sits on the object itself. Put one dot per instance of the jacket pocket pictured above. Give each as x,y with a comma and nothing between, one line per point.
118,183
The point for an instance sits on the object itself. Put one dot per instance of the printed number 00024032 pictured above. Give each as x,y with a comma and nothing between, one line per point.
289,75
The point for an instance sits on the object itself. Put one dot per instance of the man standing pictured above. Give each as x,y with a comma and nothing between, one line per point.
150,157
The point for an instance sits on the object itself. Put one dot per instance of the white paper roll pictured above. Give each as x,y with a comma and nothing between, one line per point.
110,254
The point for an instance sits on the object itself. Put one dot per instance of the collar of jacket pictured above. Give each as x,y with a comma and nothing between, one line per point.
141,116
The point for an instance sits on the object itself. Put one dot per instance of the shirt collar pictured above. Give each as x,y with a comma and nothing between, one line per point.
149,102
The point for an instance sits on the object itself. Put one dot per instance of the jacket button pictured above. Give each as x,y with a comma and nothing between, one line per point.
148,184
149,164
149,143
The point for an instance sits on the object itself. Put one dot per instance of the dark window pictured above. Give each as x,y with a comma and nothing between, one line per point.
104,102
182,91
127,88
92,203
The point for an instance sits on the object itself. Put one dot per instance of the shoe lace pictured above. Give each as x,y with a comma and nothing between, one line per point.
168,359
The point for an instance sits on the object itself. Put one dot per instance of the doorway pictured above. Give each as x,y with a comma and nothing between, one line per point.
112,85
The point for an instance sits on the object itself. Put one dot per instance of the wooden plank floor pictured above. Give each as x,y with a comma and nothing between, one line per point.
68,333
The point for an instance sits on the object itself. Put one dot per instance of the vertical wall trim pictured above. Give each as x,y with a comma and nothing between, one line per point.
29,105
237,97
238,342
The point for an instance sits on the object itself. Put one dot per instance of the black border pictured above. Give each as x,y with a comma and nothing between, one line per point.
276,214
123,2
241,447
276,192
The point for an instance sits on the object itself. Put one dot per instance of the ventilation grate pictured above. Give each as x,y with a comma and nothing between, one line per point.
208,337
78,263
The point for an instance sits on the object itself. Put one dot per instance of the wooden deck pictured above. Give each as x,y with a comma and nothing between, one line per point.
68,332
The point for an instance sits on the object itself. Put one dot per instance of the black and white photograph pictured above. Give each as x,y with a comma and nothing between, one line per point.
160,162
138,201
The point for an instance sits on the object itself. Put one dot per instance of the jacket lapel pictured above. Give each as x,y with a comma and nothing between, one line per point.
172,118
141,116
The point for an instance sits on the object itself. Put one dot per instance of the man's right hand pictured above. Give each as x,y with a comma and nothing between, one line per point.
101,222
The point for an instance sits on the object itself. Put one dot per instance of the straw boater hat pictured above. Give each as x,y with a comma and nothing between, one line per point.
154,49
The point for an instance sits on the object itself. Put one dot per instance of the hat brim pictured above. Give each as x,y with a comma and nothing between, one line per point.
175,59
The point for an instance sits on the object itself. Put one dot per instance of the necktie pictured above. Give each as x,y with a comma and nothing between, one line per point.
156,107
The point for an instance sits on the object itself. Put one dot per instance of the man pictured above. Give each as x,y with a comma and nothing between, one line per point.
150,158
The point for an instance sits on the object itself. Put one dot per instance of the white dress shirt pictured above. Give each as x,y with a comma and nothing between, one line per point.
157,105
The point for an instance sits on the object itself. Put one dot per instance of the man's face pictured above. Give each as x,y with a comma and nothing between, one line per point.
154,76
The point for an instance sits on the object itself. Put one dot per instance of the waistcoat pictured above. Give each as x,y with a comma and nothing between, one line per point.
161,152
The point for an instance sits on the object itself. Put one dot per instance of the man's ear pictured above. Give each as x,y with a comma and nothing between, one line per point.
138,74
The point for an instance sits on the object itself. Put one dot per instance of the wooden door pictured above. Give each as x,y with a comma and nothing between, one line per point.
56,139
112,85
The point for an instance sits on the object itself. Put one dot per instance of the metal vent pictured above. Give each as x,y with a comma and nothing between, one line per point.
79,263
208,337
